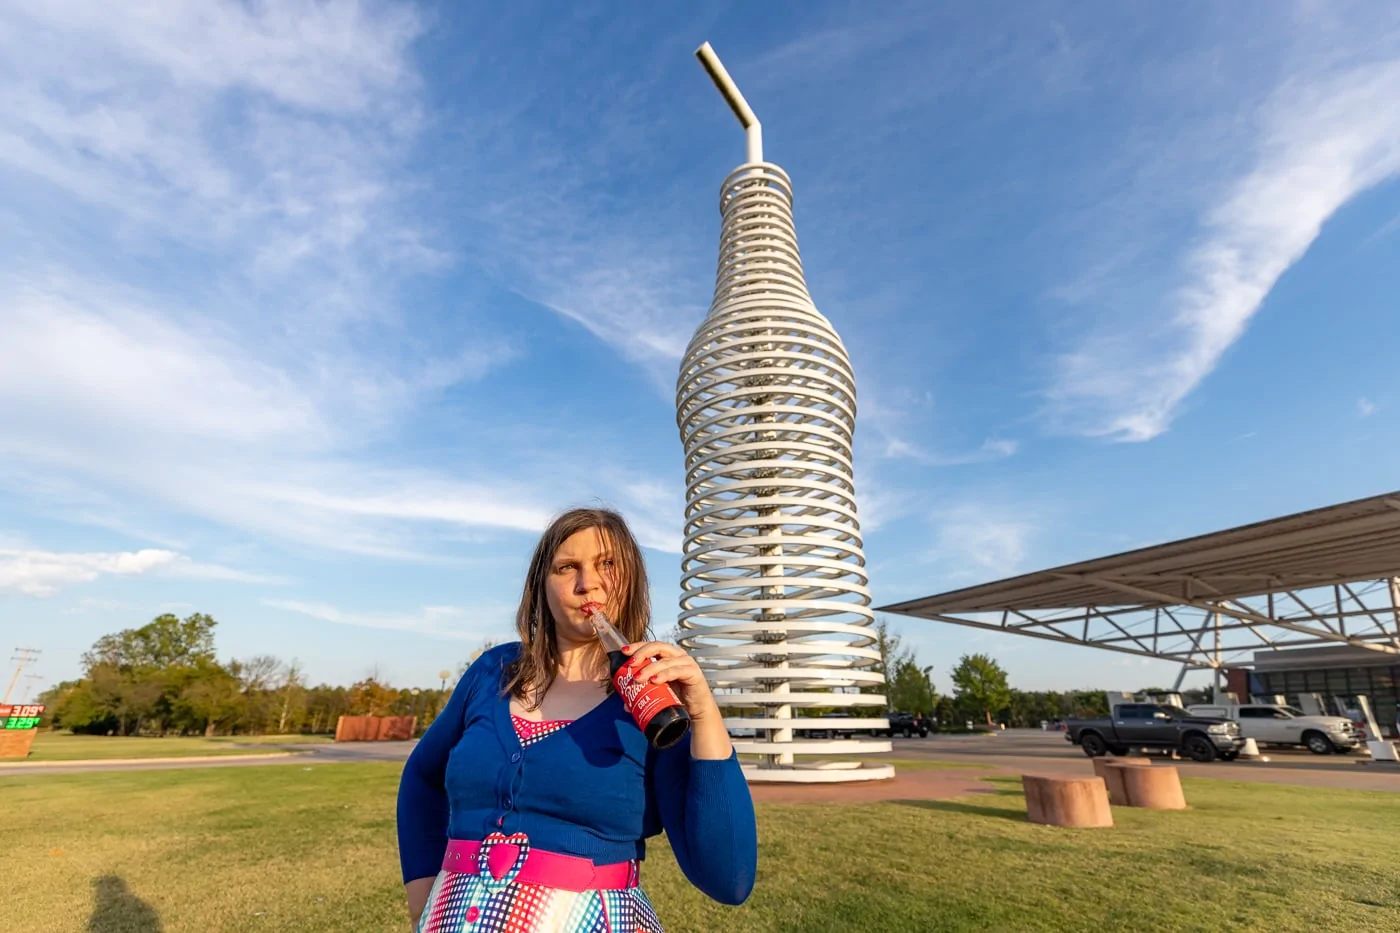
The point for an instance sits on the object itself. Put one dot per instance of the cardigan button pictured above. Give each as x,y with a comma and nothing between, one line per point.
515,757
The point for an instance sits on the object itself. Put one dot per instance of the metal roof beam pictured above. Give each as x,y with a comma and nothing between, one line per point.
1055,636
1244,615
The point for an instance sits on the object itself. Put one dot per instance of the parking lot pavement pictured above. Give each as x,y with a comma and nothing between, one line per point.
1032,751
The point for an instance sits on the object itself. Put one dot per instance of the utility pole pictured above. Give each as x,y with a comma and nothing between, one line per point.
30,680
21,657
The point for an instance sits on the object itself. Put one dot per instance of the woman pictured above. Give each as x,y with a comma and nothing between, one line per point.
528,801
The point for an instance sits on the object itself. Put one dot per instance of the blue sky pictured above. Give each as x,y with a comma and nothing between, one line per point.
312,314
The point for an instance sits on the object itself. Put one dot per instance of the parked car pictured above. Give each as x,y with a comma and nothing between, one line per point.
824,731
1148,725
1287,725
901,723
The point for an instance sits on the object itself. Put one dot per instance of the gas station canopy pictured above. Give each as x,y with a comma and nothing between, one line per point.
1326,576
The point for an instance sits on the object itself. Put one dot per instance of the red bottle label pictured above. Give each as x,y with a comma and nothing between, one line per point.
642,700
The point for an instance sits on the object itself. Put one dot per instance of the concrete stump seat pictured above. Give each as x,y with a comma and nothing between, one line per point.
1153,788
1066,801
1111,770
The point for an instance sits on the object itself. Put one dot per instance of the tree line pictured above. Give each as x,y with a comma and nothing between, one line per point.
981,691
165,678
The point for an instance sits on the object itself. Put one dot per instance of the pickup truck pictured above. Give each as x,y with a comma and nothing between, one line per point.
908,724
1287,725
1148,725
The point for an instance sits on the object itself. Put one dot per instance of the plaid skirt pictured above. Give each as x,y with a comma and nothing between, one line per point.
478,903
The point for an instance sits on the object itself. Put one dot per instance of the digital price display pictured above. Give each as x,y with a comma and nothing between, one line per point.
21,717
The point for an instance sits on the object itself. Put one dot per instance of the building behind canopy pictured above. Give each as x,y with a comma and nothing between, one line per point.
1299,605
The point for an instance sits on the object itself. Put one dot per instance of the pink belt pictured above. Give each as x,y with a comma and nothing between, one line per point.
510,858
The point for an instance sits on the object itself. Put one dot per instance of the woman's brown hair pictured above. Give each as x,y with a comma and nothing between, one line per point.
629,599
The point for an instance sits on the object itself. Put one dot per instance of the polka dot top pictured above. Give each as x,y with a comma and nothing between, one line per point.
531,732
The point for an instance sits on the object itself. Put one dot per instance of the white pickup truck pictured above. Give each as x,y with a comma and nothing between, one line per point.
1287,725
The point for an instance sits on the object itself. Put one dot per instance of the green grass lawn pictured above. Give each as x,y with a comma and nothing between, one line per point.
311,848
61,746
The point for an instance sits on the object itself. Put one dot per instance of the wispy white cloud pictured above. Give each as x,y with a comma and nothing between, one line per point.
183,117
264,148
892,423
653,509
96,605
1385,229
94,384
45,573
1365,407
981,540
495,621
991,449
111,363
1322,139
194,570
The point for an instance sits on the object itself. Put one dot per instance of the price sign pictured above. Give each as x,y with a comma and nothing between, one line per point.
25,716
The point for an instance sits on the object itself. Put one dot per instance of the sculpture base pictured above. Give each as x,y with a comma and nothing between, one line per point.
818,772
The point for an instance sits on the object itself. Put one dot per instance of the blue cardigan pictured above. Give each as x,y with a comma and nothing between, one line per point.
594,789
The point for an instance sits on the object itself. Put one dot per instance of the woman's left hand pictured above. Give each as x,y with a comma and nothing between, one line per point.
672,665
675,667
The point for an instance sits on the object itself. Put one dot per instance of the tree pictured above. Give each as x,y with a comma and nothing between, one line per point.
1027,709
133,679
369,697
164,676
887,643
165,641
214,700
911,687
980,683
325,705
258,677
77,706
293,698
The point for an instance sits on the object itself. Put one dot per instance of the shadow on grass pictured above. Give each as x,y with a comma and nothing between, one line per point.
1005,791
955,806
117,910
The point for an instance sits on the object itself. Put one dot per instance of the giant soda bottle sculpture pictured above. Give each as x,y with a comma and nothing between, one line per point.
774,600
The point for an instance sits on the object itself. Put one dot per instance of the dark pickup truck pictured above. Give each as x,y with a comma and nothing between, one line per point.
908,724
1147,725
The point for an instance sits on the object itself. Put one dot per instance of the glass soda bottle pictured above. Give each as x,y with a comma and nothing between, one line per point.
655,707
